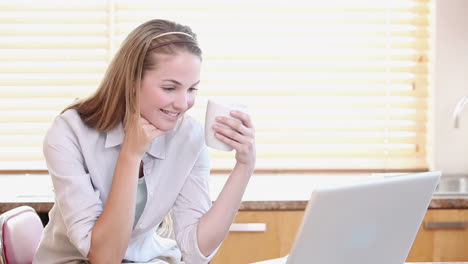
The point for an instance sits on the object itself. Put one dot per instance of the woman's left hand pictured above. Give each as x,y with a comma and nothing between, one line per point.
240,136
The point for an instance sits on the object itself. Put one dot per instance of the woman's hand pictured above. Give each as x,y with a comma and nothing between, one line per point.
240,136
139,133
238,133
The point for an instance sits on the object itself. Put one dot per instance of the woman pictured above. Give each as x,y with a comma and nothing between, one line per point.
125,157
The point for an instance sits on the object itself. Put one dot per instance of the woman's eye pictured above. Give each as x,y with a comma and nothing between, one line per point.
168,88
193,89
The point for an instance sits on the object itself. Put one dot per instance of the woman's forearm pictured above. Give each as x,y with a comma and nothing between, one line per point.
112,230
214,225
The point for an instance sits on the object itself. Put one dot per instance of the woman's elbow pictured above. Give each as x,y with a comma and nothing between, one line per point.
103,251
104,257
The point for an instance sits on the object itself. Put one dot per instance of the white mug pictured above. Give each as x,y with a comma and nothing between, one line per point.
216,108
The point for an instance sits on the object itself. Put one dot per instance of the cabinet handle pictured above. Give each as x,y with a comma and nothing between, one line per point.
446,225
248,227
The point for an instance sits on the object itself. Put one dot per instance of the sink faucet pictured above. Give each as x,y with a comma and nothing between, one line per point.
458,108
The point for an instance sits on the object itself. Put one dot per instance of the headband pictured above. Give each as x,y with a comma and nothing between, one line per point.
173,33
172,41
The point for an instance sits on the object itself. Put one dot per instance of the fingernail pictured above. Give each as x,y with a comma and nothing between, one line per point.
218,118
233,112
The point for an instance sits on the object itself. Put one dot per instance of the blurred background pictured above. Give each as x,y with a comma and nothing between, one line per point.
333,86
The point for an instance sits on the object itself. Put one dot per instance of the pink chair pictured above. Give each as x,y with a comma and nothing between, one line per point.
20,232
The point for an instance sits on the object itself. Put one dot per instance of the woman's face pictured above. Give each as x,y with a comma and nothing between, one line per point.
169,90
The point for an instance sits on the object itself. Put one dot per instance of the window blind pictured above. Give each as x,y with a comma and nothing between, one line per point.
331,85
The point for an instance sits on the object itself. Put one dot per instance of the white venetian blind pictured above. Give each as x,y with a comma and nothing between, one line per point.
331,85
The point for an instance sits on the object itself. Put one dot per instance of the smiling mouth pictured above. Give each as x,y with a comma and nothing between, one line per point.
173,114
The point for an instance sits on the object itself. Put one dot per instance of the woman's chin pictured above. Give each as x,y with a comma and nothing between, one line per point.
163,126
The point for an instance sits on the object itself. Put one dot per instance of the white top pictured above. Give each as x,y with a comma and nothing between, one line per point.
81,162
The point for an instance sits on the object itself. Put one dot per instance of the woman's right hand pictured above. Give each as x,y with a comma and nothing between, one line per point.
139,134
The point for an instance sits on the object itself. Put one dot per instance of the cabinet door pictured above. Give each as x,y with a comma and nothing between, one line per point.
443,236
259,235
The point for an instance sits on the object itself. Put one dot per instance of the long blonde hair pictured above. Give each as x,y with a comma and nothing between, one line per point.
165,229
117,97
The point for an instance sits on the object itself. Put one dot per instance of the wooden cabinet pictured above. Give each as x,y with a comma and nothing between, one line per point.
431,244
443,236
242,247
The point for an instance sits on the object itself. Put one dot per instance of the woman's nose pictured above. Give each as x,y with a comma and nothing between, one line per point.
181,102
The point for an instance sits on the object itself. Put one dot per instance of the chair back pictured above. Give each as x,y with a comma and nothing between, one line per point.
20,232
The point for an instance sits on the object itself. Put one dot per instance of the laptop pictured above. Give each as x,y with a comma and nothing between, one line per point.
363,223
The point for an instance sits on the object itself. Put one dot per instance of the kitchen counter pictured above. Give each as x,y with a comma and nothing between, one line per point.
264,192
266,262
293,191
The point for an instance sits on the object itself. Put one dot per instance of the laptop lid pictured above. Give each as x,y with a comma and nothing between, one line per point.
364,223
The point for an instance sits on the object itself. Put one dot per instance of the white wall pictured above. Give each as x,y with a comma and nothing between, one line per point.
450,145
